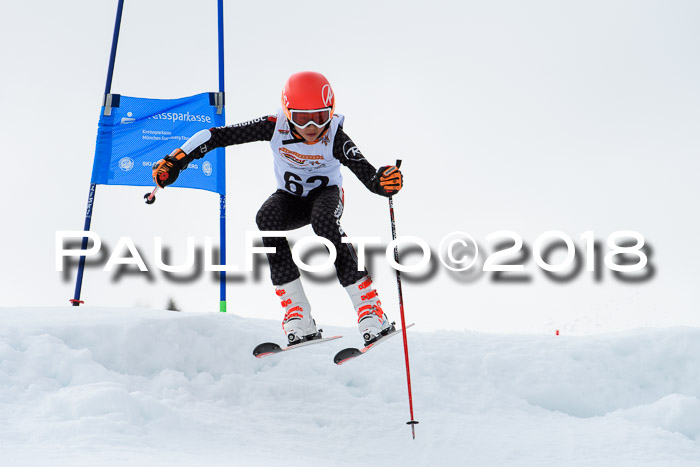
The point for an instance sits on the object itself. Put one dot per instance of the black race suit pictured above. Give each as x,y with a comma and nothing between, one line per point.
286,211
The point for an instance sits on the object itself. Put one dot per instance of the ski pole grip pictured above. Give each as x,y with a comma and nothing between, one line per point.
398,163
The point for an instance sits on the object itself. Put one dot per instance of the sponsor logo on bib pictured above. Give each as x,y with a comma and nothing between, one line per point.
299,159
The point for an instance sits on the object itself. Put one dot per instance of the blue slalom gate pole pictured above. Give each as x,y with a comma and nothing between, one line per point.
91,197
222,198
113,52
222,253
83,246
221,44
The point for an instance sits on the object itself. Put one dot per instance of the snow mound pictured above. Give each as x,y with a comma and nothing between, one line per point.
80,386
675,412
589,376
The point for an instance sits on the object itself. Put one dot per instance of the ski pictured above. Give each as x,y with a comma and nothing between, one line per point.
270,348
348,354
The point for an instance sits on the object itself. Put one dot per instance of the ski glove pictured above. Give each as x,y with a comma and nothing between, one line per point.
388,181
166,170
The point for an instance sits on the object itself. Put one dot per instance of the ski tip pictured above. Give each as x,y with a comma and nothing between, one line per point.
346,355
263,354
268,348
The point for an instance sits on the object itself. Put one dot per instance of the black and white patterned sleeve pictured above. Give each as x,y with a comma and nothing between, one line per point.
260,129
345,150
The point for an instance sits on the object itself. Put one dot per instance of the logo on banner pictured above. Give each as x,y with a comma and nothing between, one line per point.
126,163
207,168
128,119
182,117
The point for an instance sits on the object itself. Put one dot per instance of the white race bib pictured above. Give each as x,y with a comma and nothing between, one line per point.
301,168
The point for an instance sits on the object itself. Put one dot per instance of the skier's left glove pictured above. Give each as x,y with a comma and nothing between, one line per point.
166,170
388,181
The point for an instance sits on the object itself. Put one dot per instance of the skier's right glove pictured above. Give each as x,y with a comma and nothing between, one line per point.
166,170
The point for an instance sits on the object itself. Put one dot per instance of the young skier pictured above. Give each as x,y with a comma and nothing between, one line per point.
308,145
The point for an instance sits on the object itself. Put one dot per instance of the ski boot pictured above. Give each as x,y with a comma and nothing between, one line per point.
371,319
298,324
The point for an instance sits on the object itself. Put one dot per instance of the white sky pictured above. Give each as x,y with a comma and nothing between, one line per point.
508,115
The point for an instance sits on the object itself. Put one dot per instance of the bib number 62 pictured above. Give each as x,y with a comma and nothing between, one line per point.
292,183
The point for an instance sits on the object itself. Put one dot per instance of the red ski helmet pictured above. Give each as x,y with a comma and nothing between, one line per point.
307,90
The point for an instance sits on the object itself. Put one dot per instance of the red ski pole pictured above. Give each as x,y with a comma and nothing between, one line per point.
412,422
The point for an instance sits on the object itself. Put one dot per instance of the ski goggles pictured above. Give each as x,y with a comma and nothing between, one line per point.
304,118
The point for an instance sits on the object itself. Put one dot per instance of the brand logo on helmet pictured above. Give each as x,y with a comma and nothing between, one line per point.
327,95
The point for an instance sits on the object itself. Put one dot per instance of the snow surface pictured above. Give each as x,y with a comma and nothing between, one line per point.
99,386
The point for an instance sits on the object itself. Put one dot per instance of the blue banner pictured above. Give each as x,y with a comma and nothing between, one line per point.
140,132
